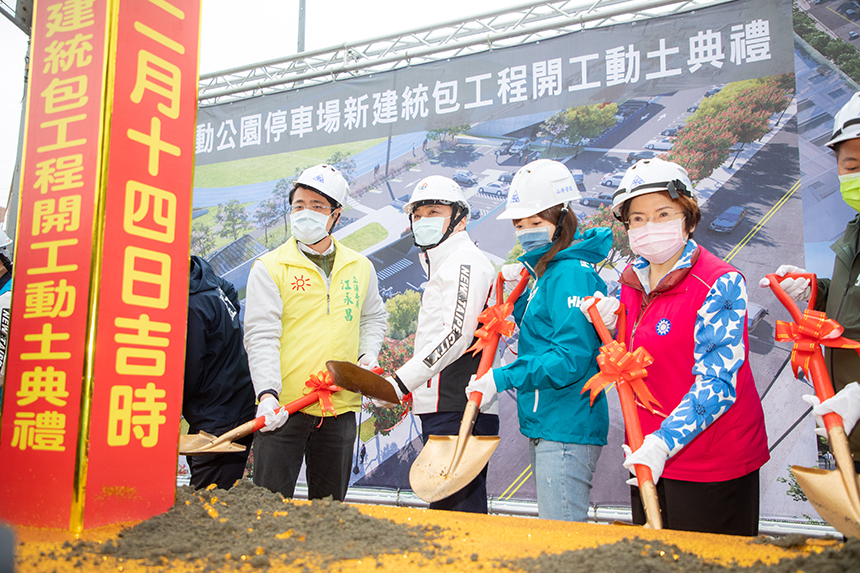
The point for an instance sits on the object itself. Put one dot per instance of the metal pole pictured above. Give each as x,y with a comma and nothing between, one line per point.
12,204
301,46
388,153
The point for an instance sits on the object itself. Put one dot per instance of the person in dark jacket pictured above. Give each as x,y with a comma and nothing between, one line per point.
218,394
839,296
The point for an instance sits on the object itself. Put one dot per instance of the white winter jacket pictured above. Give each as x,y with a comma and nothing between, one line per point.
460,277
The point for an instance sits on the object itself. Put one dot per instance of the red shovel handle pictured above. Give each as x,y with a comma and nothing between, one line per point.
293,406
632,426
786,300
489,352
817,369
303,402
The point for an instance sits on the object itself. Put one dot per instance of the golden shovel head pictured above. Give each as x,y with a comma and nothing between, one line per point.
192,444
432,476
354,378
829,495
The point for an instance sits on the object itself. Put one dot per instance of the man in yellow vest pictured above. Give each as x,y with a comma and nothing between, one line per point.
308,301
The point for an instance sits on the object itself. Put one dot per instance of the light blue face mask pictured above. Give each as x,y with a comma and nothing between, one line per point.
532,239
428,231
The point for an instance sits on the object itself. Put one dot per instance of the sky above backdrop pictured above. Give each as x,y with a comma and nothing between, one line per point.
241,33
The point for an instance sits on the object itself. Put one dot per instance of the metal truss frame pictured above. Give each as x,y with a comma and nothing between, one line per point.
20,13
528,22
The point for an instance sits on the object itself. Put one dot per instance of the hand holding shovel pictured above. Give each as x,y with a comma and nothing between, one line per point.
447,464
204,443
627,370
834,494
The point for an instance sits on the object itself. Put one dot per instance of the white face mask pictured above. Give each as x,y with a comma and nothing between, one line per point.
309,227
657,242
428,230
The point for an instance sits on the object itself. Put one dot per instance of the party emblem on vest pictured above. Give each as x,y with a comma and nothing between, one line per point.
300,282
663,327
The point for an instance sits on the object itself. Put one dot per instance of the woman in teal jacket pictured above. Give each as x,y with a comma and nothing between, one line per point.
557,345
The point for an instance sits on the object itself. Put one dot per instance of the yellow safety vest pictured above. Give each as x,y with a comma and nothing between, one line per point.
319,324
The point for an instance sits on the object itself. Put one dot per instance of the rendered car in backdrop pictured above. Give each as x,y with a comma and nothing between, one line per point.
465,177
612,179
602,198
520,145
495,188
635,156
660,144
728,220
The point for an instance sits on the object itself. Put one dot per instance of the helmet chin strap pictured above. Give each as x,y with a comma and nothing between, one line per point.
457,215
328,232
558,225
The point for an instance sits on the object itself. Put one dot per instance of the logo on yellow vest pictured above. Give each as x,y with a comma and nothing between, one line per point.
300,282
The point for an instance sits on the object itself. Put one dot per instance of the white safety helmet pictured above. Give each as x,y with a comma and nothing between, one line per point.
4,239
326,180
437,190
649,176
538,186
846,124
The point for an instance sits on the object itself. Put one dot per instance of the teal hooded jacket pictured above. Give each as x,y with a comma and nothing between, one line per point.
558,347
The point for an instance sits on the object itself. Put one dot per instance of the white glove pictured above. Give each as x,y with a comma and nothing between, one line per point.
512,272
274,420
846,403
486,385
797,289
652,453
368,361
382,403
606,306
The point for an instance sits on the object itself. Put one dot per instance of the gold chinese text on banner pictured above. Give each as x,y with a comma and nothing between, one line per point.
104,223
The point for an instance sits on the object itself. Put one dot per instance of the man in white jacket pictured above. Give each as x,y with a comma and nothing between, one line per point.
459,280
309,301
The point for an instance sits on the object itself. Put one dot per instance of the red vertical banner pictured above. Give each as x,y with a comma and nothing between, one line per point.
60,186
143,292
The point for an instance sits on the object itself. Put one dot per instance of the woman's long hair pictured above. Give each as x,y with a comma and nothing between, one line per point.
564,236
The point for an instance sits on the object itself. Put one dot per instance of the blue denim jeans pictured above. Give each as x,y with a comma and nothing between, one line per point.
562,475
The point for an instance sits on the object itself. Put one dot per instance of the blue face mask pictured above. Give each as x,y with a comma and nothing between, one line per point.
532,239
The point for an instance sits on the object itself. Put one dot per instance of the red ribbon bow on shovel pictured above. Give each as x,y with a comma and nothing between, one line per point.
323,385
618,366
813,329
493,318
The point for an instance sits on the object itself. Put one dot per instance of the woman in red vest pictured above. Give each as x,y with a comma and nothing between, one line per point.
687,308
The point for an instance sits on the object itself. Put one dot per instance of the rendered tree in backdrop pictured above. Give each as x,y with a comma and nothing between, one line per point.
233,219
202,239
403,314
552,127
588,121
393,355
281,197
620,251
344,163
266,214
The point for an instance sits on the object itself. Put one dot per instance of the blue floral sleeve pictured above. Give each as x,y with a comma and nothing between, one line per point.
719,353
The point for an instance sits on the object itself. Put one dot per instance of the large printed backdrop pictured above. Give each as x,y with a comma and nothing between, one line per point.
712,89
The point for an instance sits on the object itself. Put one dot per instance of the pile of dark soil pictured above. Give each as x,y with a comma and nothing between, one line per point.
249,524
643,556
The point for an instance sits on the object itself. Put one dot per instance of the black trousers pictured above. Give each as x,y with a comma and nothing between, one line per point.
221,469
727,507
473,497
325,444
